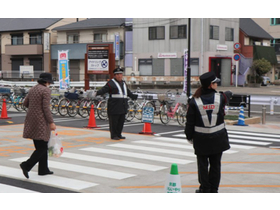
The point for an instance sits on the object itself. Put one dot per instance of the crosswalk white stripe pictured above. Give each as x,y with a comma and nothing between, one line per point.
152,149
164,144
183,141
66,119
241,146
248,142
159,134
180,135
255,138
48,180
84,169
111,161
253,134
11,189
136,155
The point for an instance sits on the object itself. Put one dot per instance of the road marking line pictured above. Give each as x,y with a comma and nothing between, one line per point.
152,149
234,172
177,131
136,155
264,154
84,169
253,134
181,146
11,189
195,186
110,161
257,139
53,180
249,142
256,162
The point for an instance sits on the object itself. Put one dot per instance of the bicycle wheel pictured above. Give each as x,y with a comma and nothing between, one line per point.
102,110
83,108
17,103
54,105
138,111
72,109
62,106
8,102
163,116
130,112
181,114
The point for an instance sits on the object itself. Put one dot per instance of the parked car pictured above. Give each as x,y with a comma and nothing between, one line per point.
266,81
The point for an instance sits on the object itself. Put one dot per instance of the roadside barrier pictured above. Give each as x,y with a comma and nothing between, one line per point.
173,182
4,114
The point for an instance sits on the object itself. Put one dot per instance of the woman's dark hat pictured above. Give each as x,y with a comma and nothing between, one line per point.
46,77
118,71
208,78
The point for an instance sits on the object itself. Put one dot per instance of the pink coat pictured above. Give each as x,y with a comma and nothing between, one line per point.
39,116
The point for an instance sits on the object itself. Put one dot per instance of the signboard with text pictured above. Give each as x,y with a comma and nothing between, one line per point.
98,59
148,114
63,69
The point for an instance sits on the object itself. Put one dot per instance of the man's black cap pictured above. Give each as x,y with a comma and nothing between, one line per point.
118,71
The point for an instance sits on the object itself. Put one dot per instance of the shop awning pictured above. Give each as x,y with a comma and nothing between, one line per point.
265,52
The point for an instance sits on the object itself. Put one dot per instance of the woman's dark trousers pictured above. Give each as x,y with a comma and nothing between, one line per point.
40,155
209,179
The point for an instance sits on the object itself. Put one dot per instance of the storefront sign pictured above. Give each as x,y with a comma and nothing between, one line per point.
117,47
167,55
221,47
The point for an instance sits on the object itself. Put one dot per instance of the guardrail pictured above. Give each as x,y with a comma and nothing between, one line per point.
56,84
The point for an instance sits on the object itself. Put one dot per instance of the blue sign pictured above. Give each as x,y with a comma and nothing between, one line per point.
63,74
236,57
117,47
148,114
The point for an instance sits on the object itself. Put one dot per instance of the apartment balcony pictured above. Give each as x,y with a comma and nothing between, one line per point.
26,49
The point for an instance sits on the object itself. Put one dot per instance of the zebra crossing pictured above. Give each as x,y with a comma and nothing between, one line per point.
250,139
89,167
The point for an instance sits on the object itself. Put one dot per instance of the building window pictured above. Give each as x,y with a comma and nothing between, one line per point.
275,21
156,32
229,34
17,39
178,32
145,67
214,32
100,37
35,38
72,38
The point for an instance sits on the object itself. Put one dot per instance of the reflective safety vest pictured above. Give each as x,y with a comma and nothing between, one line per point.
121,94
209,127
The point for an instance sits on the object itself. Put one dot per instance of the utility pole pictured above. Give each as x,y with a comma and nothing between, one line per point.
189,60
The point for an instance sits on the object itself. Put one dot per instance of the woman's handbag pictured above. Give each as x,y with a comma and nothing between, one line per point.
55,145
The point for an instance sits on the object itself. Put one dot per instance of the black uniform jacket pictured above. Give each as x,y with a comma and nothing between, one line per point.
207,143
116,105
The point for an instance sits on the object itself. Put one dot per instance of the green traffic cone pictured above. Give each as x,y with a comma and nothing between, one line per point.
174,169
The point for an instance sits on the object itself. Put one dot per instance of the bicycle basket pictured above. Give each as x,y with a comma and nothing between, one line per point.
4,90
162,97
182,99
73,96
89,94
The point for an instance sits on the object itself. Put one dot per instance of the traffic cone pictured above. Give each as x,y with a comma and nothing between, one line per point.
4,114
173,182
91,121
147,129
241,118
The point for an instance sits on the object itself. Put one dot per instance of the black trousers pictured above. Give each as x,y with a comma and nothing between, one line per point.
209,178
40,155
116,124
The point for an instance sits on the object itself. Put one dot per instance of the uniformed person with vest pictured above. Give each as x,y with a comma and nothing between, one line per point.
205,129
117,105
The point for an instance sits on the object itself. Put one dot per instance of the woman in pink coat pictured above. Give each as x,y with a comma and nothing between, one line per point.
38,124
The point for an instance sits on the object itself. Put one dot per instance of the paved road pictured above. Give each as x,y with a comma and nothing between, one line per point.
92,162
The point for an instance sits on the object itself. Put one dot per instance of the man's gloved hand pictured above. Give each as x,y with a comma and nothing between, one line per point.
190,141
94,94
